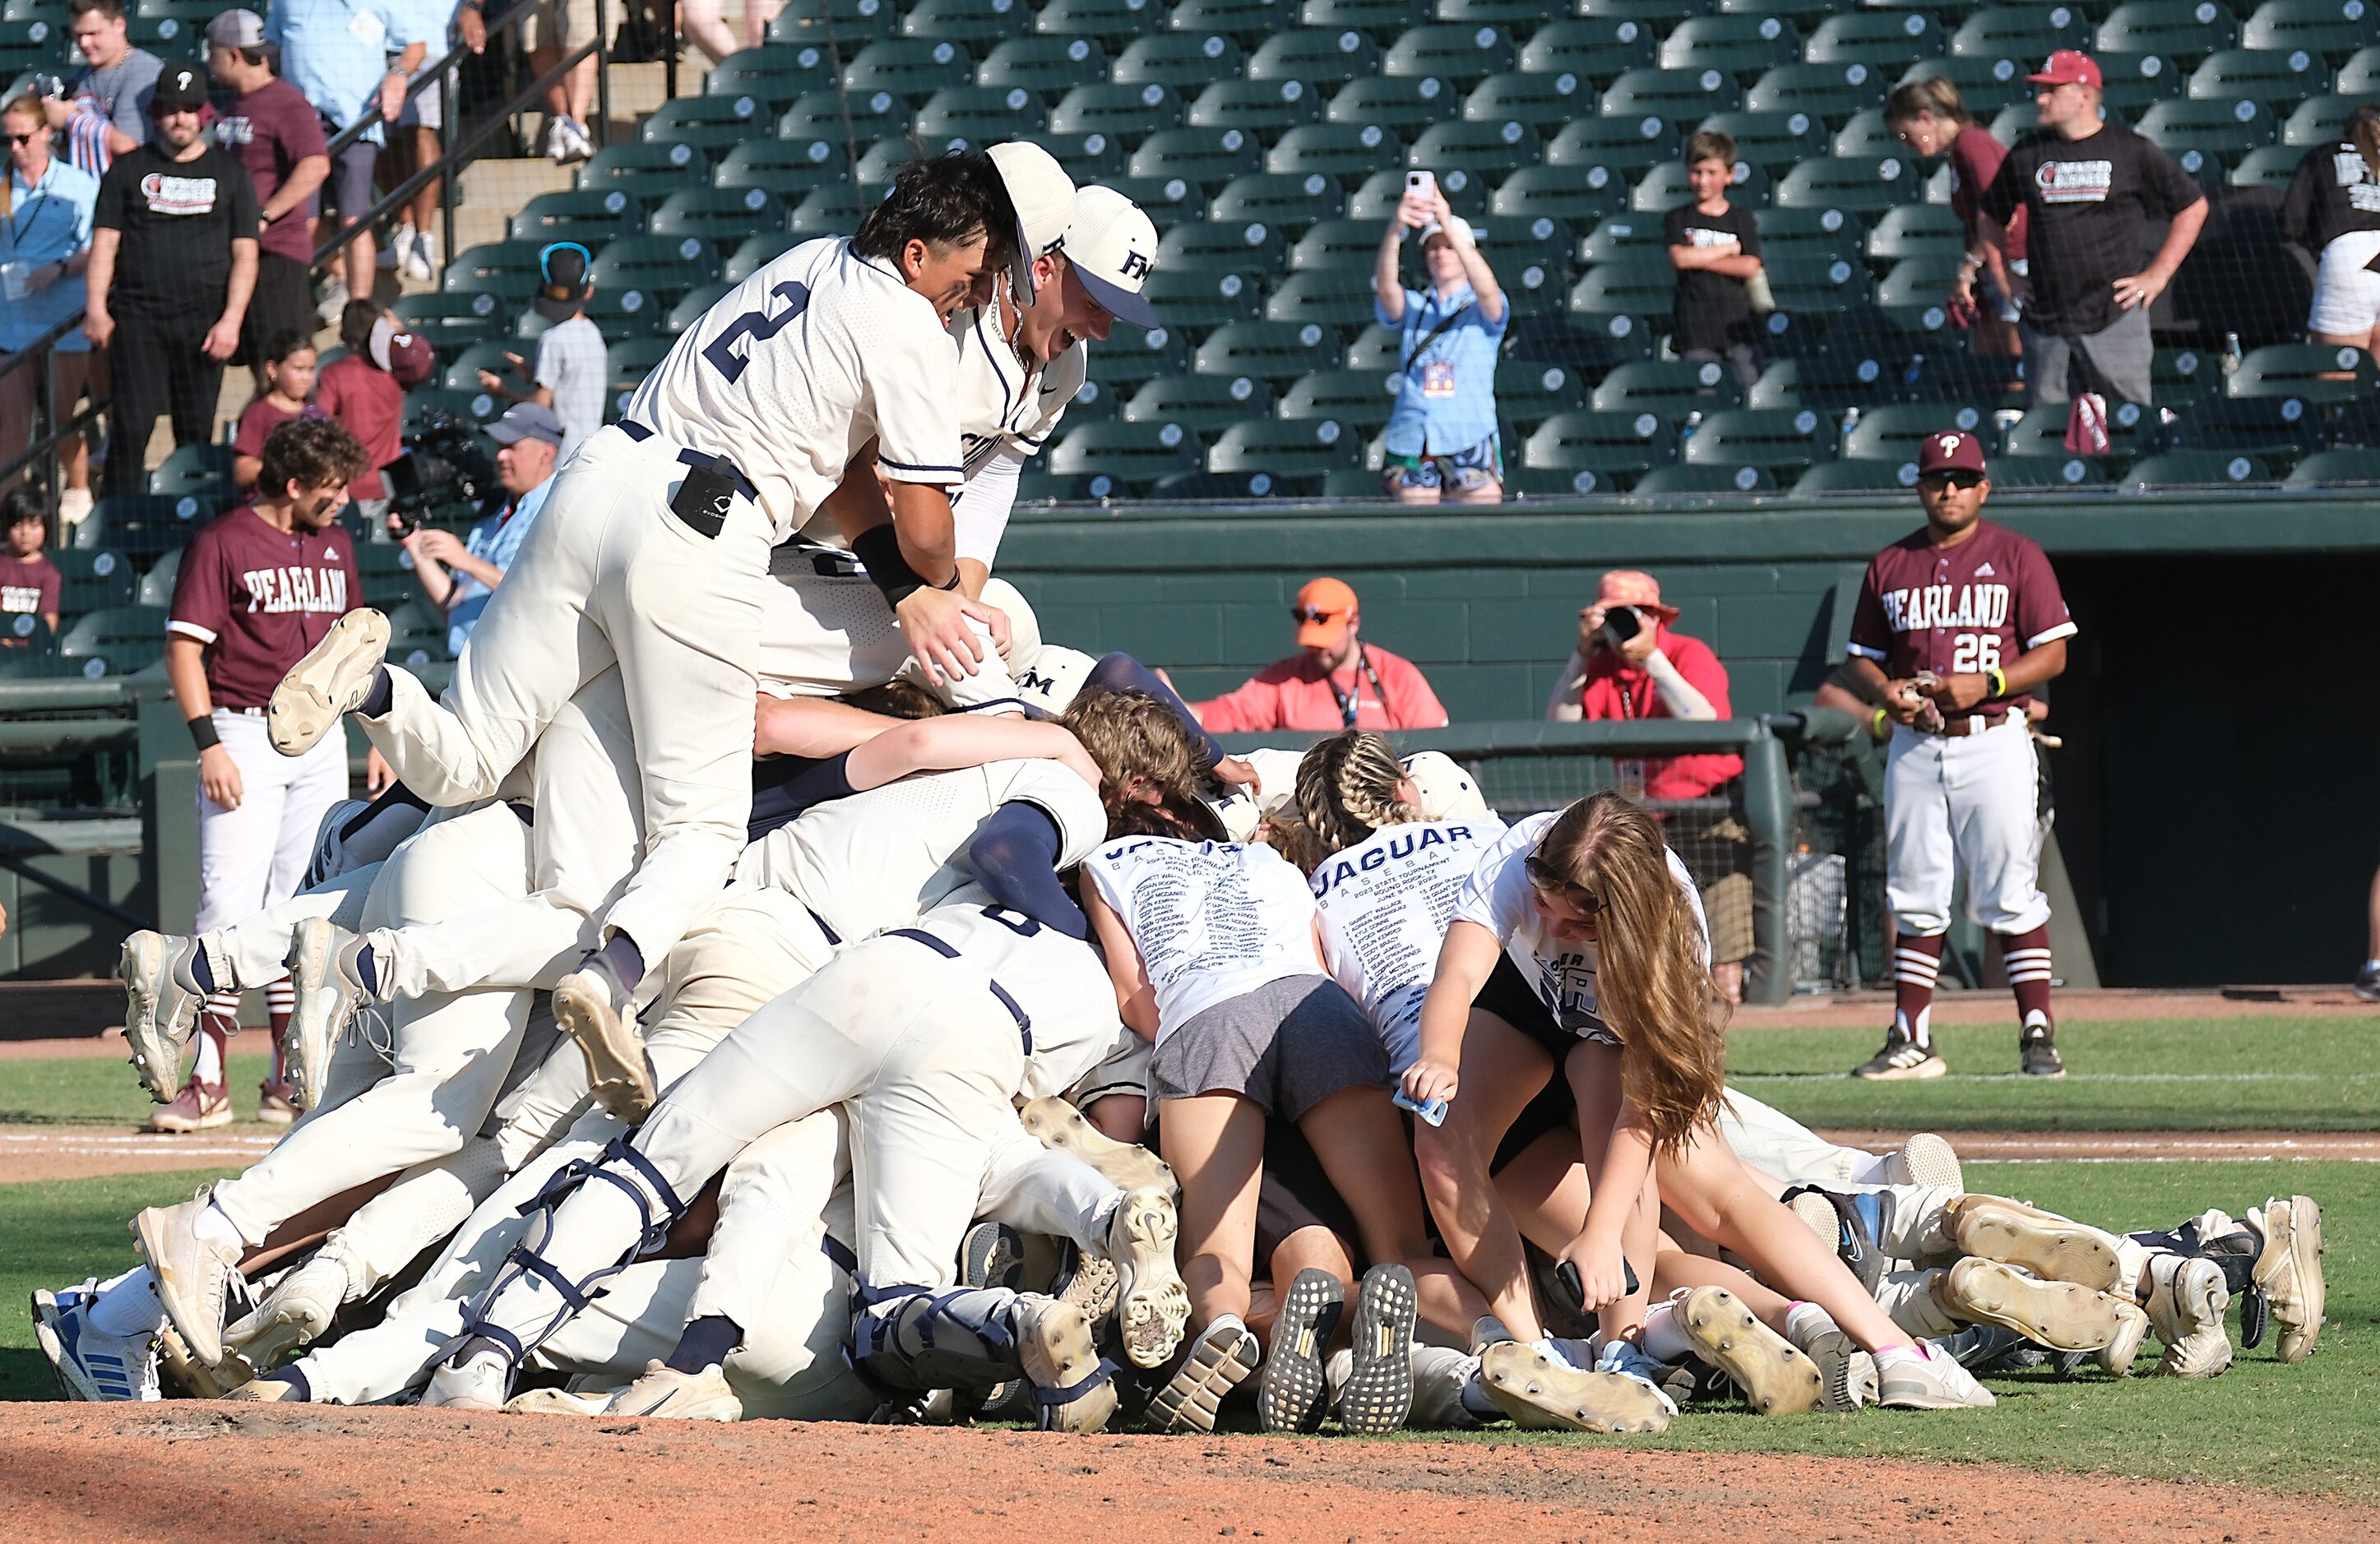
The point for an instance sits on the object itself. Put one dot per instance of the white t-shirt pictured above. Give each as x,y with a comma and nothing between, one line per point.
1213,920
1496,898
1385,905
1057,983
571,364
825,630
877,859
797,368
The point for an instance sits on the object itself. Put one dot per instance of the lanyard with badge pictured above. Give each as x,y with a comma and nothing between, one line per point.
1437,375
1350,702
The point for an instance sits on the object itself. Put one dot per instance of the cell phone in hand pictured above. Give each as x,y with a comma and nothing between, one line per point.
1619,624
1421,185
1430,1110
1574,1289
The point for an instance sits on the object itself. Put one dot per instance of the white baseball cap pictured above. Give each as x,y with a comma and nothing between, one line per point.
1044,198
1446,790
1113,248
1024,627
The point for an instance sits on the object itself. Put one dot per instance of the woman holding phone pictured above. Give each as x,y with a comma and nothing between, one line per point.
1442,442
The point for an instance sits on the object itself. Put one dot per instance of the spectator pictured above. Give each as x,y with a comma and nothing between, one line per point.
288,394
1716,250
45,211
458,576
29,582
1382,691
273,131
1621,667
701,23
336,53
2088,186
559,28
1931,120
413,251
173,261
106,106
1441,439
2332,209
570,376
365,391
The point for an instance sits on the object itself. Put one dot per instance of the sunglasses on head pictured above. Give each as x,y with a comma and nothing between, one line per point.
1313,613
1546,877
1950,479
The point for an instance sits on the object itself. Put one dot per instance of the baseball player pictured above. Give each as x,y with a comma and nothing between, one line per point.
256,588
1956,625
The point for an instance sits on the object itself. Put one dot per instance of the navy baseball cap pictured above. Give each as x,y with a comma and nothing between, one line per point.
525,420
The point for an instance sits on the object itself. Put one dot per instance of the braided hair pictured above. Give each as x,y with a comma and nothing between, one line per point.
1347,788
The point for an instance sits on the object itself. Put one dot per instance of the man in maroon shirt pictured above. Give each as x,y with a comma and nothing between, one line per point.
274,132
1956,624
29,583
257,589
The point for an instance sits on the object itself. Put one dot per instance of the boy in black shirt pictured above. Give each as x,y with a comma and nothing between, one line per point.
1716,250
173,263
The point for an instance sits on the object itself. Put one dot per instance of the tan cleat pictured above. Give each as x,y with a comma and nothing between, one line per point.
295,1312
1775,1377
1927,1160
265,1391
1542,1394
2289,1271
666,1394
1062,1362
1127,1166
2051,1247
2116,1357
562,1401
2059,1315
1152,1306
162,1000
593,1009
193,1274
328,683
2187,1301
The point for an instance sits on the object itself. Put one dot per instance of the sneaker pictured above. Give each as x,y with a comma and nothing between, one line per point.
1292,1393
74,506
276,1103
1072,1383
1152,1306
1215,1361
329,682
2051,1247
420,261
2059,1315
665,1393
297,1311
1927,1160
89,1365
2367,980
557,148
333,301
480,1381
162,1000
1542,1393
1126,1166
992,1255
562,1401
1847,1374
580,145
2288,1271
328,984
266,1390
1846,1225
1920,1378
399,244
198,1107
2186,1304
193,1272
2039,1049
1775,1377
593,1008
1901,1058
1378,1394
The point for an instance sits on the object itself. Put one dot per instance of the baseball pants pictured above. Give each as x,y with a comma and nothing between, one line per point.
1966,803
1783,1147
254,857
609,576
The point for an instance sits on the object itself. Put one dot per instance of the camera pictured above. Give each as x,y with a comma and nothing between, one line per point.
1619,624
49,87
444,470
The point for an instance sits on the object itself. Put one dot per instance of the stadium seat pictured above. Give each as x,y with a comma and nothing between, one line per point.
911,68
1289,203
1168,201
1326,59
1894,431
1773,141
1832,93
775,74
1529,392
2317,374
791,169
1307,447
1667,481
1130,113
1831,479
2360,77
2270,166
1915,291
1335,244
1274,352
1090,157
1805,15
1220,246
462,373
719,214
1930,230
1382,21
819,116
829,211
1265,108
978,26
2333,29
1888,40
1613,151
1378,196
2183,29
92,580
1672,388
1634,287
1403,107
2196,470
1204,405
1455,52
1803,233
125,638
646,173
1220,488
617,314
1178,60
1543,102
2335,468
2276,77
2051,472
451,321
2041,431
1338,300
853,22
1132,355
1661,11
1750,437
1664,188
1377,348
1867,137
1620,238
1248,22
2135,81
1537,284
2027,34
1816,284
2204,135
1483,149
156,586
2277,430
1677,96
1557,193
1519,14
1136,454
1210,156
1599,452
1341,150
977,115
1359,400
1863,187
690,306
1113,24
1046,66
1205,297
711,124
2318,121
1598,49
663,266
593,217
1742,47
203,470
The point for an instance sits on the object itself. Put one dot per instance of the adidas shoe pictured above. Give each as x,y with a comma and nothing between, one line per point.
2038,1051
1292,1391
1902,1059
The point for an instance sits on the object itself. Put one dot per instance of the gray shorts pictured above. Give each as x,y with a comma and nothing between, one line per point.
1289,1045
2113,361
348,190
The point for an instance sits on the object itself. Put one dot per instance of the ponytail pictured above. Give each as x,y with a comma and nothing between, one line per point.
1347,788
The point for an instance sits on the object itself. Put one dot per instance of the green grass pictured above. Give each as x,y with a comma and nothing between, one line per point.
100,1090
2287,1074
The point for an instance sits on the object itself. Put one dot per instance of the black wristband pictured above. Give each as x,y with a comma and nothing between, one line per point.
880,551
202,731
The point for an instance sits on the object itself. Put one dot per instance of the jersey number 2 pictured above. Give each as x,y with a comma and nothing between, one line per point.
1976,652
759,326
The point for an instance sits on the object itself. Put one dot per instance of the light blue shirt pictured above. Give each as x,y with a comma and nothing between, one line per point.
47,223
337,53
1446,400
495,539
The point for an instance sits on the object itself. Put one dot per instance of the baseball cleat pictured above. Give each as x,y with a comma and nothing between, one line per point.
191,1379
1918,1377
1094,1287
1074,1388
665,1393
2288,1271
593,1009
329,988
1543,1394
1902,1059
162,1000
329,684
2040,1058
1378,1394
193,1274
2367,981
2186,1304
562,1401
1126,1166
2051,1247
295,1312
1217,1360
1775,1377
2115,1358
198,1107
480,1382
2059,1315
89,1366
1845,1373
1292,1392
1928,1160
1152,1306
266,1390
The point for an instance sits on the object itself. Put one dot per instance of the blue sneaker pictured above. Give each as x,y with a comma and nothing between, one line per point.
89,1366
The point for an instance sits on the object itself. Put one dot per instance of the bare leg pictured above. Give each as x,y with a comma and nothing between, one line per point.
1408,494
1215,1142
1357,1134
1123,1116
1501,1070
699,22
1594,1074
2373,908
1486,493
1315,1249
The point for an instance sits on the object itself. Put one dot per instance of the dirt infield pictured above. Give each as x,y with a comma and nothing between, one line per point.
195,1471
30,1152
2133,1147
1866,1011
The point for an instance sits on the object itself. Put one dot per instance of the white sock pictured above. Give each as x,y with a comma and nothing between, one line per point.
1874,1171
128,1306
1665,1339
1921,1350
215,1227
209,1067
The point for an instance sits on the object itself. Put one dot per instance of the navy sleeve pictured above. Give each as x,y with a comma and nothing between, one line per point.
1122,672
1014,856
777,800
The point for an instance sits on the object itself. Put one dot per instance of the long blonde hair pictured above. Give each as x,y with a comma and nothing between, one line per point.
1347,788
1651,985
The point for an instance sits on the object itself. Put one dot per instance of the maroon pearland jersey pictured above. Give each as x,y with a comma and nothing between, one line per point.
1958,611
258,598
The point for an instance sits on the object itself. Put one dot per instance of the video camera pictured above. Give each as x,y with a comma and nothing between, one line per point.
445,469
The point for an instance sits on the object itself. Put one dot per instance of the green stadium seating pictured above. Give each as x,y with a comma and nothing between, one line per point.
462,373
721,215
979,115
1248,22
1816,284
1832,93
1631,287
2334,29
1621,238
646,173
1772,141
1168,201
1090,157
2135,81
1664,188
1557,193
1894,431
1132,355
595,216
1298,447
1326,59
2184,30
2195,468
453,322
1483,149
1597,451
775,74
1130,113
711,124
1131,454
1206,297
2334,468
1178,60
1742,46
791,169
1831,479
1529,392
1204,405
92,580
1596,50
1223,246
1339,300
2271,167
853,22
1518,14
2204,136
690,306
617,314
1339,150
1265,108
1802,232
1543,102
1750,437
1358,400
1661,11
1213,156
1288,203
1986,86
912,68
978,26
1804,14
1376,198
819,116
1331,245
2275,76
1379,19
156,586
1679,96
2026,34
2318,374
663,266
1113,24
1538,283
1915,290
1672,388
202,470
2179,377
125,638
1238,487
1862,186
1274,352
1888,40
2318,121
1667,481
1620,149
1046,66
1869,137
2360,77
1463,55
1916,231
1403,107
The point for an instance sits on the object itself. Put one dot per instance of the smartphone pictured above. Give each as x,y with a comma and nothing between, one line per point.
1421,185
1575,1290
1619,624
1433,1111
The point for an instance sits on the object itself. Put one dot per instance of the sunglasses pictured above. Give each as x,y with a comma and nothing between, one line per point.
1546,877
1939,481
1313,613
25,138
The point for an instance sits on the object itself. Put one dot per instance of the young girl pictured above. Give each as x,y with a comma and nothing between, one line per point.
1600,922
289,366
